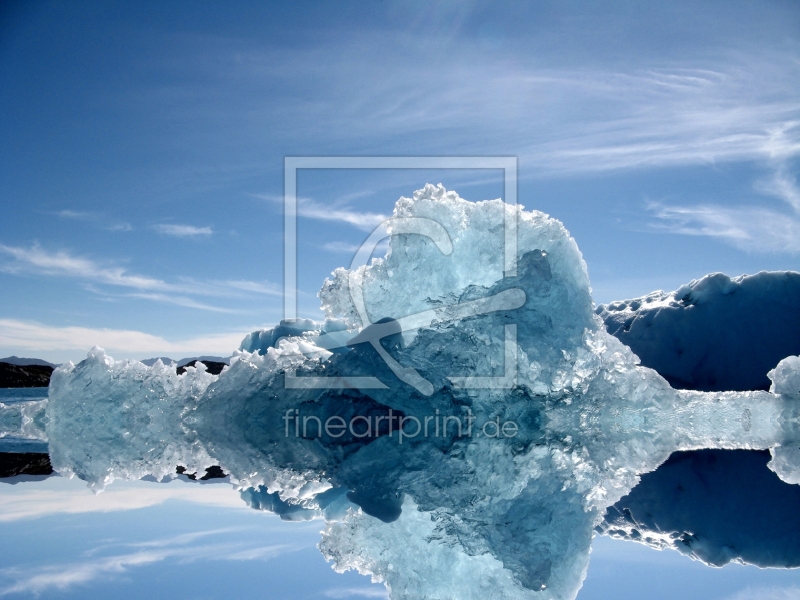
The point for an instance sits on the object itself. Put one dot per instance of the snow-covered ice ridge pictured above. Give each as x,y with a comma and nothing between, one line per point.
696,335
438,516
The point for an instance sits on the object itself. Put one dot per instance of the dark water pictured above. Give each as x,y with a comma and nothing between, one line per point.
14,395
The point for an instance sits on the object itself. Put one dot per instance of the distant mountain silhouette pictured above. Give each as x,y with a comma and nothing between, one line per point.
25,463
25,362
16,376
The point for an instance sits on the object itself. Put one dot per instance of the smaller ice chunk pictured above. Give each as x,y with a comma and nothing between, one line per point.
786,381
112,419
263,339
716,333
786,463
786,377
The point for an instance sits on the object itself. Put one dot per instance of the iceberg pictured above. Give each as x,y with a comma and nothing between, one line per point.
698,336
461,429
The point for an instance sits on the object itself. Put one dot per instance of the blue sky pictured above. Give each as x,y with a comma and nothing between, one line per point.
143,148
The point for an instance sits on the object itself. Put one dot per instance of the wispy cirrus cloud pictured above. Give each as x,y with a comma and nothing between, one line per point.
258,287
705,105
754,229
63,577
766,133
703,125
766,593
30,336
24,504
97,219
183,230
74,214
311,209
37,260
563,120
341,247
119,227
366,221
183,548
782,185
183,301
